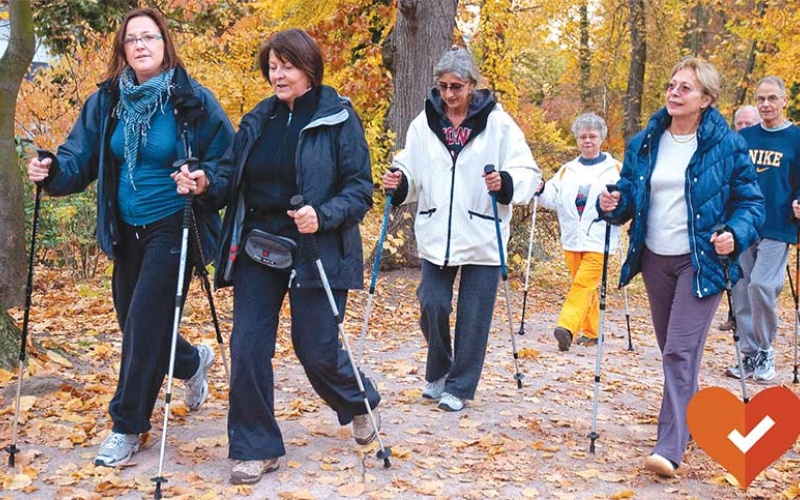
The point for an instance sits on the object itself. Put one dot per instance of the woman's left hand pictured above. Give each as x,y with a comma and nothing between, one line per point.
305,219
195,182
493,181
723,242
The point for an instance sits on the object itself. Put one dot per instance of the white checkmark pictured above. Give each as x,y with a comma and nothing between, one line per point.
744,443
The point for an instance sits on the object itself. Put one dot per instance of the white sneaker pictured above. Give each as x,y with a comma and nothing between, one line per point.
197,386
433,390
449,402
117,449
747,364
764,366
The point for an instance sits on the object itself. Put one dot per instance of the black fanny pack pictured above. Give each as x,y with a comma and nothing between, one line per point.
269,249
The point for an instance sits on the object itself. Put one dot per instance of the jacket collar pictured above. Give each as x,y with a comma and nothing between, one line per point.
712,129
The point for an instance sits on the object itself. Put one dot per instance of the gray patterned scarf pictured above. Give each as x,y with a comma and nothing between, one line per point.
136,107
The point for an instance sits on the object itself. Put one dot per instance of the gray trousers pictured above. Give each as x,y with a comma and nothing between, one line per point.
755,296
681,322
463,362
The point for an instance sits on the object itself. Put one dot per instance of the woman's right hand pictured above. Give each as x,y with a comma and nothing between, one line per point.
391,180
38,170
609,201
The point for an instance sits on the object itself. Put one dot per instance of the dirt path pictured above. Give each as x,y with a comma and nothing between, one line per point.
508,443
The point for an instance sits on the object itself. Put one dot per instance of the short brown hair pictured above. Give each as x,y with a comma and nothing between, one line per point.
118,61
294,46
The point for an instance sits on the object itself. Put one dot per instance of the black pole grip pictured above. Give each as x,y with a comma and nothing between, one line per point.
611,188
191,161
488,169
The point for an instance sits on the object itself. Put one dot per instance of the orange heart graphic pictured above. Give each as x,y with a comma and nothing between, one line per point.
744,438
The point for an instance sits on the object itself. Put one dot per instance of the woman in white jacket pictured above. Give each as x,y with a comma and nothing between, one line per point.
573,193
461,130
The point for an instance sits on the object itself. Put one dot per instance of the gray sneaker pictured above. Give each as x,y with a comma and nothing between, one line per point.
250,471
363,431
749,368
433,390
197,386
764,366
117,449
449,402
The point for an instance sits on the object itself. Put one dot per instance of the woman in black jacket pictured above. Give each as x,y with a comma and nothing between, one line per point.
147,115
306,140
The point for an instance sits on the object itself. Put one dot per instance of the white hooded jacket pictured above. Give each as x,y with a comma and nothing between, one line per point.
581,233
454,224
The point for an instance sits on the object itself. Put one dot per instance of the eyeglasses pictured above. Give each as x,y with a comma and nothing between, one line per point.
683,88
147,39
453,87
772,98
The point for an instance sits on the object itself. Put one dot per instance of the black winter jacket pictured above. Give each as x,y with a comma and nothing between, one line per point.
333,175
86,155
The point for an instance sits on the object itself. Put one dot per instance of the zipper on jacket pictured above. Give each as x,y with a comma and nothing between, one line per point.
450,211
693,242
429,213
473,214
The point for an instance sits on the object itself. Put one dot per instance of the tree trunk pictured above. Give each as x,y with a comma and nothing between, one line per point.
584,55
13,66
423,32
633,97
744,84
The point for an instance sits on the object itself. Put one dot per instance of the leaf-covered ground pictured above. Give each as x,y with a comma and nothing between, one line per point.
508,443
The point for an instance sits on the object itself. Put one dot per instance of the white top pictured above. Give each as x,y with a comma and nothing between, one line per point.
667,218
581,232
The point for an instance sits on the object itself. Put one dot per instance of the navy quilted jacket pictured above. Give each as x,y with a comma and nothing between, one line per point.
721,190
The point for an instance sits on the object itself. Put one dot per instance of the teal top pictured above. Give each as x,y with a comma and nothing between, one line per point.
147,193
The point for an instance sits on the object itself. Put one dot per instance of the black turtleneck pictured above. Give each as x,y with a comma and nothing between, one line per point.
270,174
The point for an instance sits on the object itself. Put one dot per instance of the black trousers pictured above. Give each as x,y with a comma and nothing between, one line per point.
144,285
253,432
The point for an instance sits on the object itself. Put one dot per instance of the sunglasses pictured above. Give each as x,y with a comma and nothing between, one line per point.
453,87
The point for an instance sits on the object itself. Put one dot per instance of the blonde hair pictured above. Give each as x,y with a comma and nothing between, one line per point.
705,72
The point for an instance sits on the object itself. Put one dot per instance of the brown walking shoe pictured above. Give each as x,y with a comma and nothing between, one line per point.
250,471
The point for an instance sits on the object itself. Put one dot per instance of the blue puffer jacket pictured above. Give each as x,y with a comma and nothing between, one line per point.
721,190
333,175
86,155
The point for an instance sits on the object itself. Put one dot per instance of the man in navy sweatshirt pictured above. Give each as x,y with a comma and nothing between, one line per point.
775,151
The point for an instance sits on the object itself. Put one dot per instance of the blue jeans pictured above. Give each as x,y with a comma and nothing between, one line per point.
145,286
477,291
258,292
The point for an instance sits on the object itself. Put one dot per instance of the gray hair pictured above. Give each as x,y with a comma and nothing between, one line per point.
748,108
458,62
774,80
589,121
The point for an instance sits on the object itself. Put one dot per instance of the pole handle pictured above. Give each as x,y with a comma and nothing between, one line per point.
390,192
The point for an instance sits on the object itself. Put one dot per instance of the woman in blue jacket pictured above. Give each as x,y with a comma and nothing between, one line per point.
305,139
690,190
145,116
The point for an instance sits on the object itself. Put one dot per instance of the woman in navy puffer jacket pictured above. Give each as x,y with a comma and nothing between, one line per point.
689,188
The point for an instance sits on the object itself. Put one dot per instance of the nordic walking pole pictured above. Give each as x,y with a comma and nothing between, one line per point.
488,169
593,435
297,202
795,296
205,284
627,313
375,267
728,287
186,225
528,265
12,448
